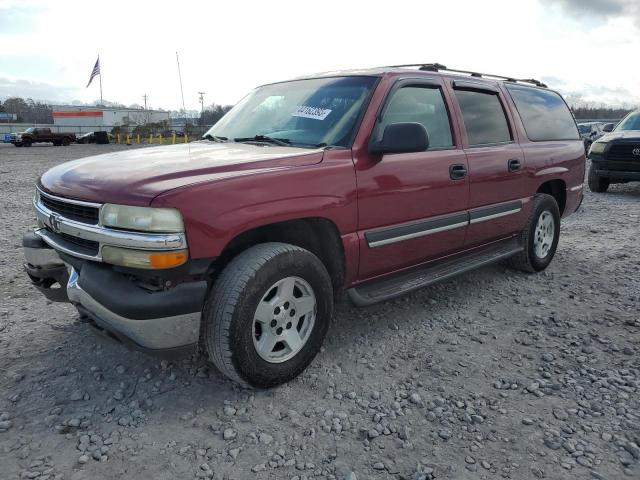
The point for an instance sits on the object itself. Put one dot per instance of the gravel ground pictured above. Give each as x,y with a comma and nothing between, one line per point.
497,374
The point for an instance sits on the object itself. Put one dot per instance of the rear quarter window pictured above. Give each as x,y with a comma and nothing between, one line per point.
544,113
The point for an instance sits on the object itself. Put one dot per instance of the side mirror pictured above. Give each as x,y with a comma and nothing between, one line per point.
608,127
402,137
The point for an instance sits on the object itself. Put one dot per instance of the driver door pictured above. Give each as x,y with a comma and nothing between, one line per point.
412,207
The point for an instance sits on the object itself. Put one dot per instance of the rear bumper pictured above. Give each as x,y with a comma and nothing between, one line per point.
152,321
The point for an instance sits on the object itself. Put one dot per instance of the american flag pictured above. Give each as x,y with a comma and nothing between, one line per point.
95,71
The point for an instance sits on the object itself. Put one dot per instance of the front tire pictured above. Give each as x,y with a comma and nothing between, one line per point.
540,236
597,184
267,314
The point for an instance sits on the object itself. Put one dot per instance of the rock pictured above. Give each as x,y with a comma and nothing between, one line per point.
469,459
5,425
82,459
444,434
548,357
560,414
258,468
76,395
415,398
378,466
265,438
229,434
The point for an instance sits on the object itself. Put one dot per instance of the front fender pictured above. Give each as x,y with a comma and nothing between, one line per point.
217,212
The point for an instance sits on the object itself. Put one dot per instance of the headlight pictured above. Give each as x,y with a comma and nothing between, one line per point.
127,257
597,147
145,219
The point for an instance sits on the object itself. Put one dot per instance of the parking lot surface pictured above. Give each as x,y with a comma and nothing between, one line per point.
497,374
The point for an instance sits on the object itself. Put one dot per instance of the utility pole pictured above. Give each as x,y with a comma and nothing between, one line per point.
201,106
145,96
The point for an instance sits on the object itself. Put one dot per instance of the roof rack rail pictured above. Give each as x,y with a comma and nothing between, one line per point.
437,67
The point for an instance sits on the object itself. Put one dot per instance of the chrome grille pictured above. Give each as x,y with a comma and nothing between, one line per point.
72,211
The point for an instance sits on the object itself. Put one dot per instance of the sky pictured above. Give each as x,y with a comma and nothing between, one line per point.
587,49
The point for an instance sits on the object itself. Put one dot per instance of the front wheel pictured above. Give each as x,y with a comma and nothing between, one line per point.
540,236
26,143
597,184
267,314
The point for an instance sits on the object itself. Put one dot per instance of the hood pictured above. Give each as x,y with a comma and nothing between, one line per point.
621,135
136,177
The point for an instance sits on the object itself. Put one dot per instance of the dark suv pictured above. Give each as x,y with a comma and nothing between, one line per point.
615,157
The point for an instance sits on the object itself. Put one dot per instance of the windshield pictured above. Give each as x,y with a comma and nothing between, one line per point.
29,130
584,128
630,122
318,112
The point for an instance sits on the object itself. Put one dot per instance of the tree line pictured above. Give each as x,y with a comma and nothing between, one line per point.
33,111
599,112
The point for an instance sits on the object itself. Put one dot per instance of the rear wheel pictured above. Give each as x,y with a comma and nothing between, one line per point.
267,314
540,236
65,142
596,183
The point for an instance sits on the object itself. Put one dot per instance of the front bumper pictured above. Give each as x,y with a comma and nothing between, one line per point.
616,174
154,321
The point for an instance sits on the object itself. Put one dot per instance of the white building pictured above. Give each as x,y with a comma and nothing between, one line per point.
85,119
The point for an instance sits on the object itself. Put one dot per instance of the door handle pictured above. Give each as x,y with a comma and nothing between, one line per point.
514,164
457,171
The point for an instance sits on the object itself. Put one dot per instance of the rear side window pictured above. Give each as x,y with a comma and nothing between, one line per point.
544,114
421,104
484,117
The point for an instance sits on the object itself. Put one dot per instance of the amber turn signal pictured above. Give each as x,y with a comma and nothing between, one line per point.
168,259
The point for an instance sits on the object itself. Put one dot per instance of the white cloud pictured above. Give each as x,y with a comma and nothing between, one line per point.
228,48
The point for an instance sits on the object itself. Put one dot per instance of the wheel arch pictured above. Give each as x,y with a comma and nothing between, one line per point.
318,235
557,188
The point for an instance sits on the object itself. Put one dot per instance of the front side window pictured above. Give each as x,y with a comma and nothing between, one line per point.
313,112
484,117
424,105
630,122
544,114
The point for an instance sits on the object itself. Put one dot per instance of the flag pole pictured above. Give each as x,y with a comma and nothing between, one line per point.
101,104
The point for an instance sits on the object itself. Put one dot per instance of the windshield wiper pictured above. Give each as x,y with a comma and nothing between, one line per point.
214,138
283,142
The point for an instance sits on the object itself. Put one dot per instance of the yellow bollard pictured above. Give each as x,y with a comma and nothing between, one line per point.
186,138
118,138
161,142
128,140
174,138
138,138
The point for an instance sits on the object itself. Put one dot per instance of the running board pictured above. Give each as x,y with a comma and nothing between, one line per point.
387,288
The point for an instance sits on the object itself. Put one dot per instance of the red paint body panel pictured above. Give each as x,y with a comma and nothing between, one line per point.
224,190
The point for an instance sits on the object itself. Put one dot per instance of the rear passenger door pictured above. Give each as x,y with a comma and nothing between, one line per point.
496,162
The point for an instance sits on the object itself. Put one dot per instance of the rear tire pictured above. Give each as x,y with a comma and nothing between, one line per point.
65,142
597,184
540,235
251,330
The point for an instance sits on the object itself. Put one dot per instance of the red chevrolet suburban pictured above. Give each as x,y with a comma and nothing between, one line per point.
373,182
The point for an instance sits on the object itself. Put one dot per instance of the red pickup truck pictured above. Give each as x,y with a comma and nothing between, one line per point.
42,135
373,182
